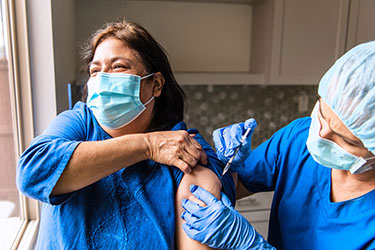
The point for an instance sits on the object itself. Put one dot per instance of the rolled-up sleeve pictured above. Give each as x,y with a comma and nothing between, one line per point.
42,163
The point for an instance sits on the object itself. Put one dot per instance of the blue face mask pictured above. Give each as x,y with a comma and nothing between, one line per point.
331,155
114,98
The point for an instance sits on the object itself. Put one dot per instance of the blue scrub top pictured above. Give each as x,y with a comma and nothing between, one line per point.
129,209
302,215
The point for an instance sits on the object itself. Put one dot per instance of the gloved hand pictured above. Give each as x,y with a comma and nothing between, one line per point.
218,225
227,139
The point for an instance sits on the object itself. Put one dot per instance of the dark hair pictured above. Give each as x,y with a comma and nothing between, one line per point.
169,106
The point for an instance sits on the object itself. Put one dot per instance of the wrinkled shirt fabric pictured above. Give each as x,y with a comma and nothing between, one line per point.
130,209
302,214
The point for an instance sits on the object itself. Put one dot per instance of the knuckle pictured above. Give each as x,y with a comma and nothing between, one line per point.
194,162
198,154
184,134
185,168
176,151
198,146
180,138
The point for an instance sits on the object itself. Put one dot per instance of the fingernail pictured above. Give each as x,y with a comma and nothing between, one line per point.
193,188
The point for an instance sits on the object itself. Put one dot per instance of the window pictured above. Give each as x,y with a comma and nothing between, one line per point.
10,212
18,214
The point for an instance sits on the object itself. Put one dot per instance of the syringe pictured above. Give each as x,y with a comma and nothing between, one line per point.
242,140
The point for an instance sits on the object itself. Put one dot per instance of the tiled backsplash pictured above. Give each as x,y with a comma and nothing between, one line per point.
214,106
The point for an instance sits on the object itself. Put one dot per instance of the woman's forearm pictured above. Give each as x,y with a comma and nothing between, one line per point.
94,160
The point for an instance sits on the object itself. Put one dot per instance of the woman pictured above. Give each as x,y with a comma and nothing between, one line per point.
109,172
321,169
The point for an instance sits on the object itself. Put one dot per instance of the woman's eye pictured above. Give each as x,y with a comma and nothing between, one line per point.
119,66
93,71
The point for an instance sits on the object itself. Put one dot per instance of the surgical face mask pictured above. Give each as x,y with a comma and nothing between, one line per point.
329,154
114,98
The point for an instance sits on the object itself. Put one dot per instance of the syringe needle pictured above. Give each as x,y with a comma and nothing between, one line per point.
242,140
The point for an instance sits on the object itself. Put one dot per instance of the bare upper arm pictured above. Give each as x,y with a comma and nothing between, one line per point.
204,178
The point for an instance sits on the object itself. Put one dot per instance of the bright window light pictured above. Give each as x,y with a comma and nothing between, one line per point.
10,212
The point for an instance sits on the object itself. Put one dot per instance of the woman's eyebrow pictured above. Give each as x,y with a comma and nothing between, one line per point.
113,59
93,63
117,58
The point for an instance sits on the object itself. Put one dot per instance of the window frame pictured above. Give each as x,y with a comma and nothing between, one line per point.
17,48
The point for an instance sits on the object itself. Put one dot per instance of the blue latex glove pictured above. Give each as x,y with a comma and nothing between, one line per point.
218,224
227,139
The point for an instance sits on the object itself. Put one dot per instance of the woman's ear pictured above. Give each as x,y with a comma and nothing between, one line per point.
158,84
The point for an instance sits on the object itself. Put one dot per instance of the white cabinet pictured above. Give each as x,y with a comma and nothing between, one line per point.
256,209
208,42
242,41
361,22
307,38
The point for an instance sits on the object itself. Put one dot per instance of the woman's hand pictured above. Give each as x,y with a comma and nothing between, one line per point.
175,148
93,160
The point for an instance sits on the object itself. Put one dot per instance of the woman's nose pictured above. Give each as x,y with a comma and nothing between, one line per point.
105,68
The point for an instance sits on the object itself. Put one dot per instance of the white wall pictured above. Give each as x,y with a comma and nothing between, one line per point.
42,63
52,47
64,49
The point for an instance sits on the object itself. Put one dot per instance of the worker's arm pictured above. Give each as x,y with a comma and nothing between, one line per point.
218,224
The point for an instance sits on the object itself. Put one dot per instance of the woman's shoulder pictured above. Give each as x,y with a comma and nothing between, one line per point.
215,165
80,108
78,121
197,136
179,126
80,112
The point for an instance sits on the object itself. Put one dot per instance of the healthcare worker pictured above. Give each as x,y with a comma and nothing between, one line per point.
321,169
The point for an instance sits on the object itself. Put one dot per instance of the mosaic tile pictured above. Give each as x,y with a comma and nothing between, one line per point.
209,107
214,106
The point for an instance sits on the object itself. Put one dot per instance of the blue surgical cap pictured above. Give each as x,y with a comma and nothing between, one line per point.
348,88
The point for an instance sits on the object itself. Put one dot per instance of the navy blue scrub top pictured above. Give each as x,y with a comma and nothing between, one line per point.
302,214
129,209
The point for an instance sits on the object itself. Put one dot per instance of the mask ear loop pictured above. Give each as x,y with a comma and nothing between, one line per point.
152,98
370,161
147,76
146,103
